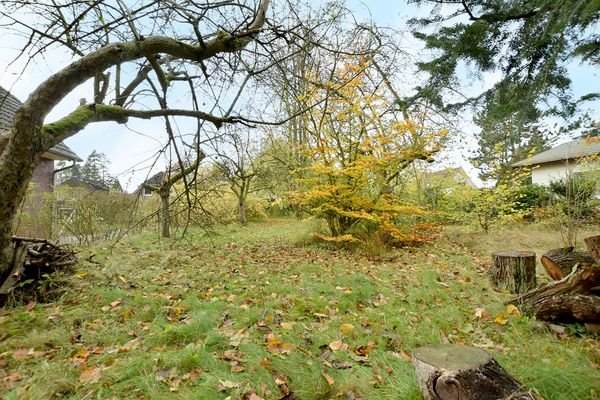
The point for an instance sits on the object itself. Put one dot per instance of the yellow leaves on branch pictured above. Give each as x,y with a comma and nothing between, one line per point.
355,149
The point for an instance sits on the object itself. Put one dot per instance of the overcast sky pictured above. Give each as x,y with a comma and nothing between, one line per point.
132,149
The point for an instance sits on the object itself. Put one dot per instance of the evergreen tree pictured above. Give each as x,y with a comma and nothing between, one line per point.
509,132
95,168
529,41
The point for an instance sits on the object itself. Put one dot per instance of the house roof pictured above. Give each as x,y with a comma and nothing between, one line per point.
575,149
77,181
61,152
9,105
458,174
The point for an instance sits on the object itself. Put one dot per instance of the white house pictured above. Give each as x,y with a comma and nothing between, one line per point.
564,160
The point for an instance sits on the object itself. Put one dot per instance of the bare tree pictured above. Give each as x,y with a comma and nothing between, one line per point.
163,188
239,165
137,58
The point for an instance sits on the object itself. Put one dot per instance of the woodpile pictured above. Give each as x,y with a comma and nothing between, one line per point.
574,296
33,260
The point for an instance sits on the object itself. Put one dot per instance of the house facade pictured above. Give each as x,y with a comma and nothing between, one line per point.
35,217
563,161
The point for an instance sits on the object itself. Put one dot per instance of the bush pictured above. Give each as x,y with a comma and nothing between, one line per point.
531,196
219,207
92,215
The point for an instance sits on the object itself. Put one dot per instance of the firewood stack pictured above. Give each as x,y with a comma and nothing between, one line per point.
574,297
33,260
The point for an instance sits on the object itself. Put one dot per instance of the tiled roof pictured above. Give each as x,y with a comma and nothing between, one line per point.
9,105
77,181
567,151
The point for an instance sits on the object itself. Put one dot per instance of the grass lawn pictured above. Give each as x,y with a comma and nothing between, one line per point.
252,314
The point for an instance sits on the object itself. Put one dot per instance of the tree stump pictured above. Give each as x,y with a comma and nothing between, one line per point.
558,263
513,270
457,372
593,245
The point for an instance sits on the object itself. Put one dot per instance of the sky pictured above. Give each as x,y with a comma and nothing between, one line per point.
132,149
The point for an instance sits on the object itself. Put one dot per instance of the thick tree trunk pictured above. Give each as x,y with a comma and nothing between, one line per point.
457,372
558,263
513,270
165,217
572,299
17,163
593,245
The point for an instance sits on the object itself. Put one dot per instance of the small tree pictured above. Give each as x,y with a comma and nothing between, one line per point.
173,175
357,151
239,165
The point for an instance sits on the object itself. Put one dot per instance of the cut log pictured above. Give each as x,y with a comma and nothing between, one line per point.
513,270
558,263
569,308
453,372
593,245
572,299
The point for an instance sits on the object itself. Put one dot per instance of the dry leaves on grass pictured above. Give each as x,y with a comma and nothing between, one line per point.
275,345
90,374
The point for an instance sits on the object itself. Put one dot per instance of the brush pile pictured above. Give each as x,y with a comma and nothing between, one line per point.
34,260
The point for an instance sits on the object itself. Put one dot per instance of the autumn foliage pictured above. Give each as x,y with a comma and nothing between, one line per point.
358,148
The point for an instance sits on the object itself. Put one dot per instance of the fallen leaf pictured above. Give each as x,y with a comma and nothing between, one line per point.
236,339
232,355
266,364
346,328
174,384
337,345
31,305
512,310
177,310
163,374
328,378
288,326
274,345
280,379
192,376
90,375
343,364
501,319
365,350
21,354
379,300
236,367
226,385
481,313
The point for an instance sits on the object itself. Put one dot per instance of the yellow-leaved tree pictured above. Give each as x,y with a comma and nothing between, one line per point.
358,148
